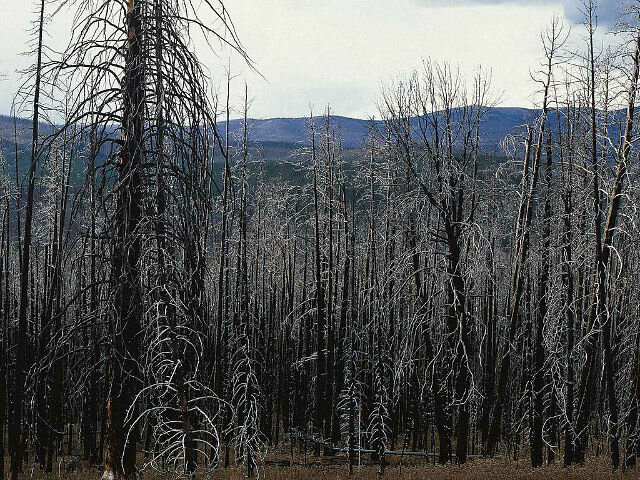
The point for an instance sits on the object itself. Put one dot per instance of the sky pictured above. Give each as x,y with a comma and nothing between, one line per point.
311,53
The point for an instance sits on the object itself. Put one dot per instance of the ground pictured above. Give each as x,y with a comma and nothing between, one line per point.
337,468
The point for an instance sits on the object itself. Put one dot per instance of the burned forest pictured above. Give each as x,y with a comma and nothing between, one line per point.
180,300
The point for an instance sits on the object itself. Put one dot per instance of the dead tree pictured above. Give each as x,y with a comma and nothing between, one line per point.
16,434
598,317
553,40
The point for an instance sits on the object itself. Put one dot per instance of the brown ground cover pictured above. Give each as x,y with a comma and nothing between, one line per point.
278,468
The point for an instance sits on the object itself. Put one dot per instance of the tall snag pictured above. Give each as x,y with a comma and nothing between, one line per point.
16,408
553,40
120,450
598,308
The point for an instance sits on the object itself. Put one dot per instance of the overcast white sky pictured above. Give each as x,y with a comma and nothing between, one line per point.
340,51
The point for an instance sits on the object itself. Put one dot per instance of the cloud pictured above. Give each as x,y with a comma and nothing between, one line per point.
311,55
340,52
607,11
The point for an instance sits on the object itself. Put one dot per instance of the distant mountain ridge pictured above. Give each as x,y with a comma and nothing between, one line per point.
496,124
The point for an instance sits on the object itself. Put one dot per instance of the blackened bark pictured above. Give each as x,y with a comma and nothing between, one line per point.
121,435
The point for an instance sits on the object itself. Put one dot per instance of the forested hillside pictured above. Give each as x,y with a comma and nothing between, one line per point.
498,122
184,294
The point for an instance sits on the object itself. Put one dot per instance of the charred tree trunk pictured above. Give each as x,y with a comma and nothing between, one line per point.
16,434
598,301
537,444
121,433
320,303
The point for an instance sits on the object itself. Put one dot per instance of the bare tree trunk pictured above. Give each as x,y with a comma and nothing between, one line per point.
330,360
522,242
4,318
539,351
320,302
633,427
120,450
94,355
567,282
17,435
222,294
555,41
598,303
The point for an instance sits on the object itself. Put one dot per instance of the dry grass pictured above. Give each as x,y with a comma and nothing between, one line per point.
322,468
